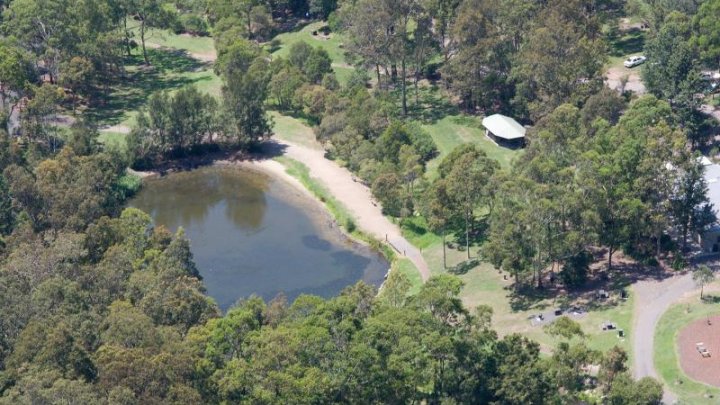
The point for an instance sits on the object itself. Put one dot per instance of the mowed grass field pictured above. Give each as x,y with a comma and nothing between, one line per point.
200,45
455,130
293,130
334,44
174,63
484,285
666,356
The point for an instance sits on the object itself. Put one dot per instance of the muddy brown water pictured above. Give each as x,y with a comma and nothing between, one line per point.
253,234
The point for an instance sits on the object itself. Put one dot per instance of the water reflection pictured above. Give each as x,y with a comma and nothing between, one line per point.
252,234
187,198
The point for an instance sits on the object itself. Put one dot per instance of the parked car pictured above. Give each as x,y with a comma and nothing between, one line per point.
634,61
710,76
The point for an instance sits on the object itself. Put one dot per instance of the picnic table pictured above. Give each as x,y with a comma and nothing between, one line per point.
702,349
607,325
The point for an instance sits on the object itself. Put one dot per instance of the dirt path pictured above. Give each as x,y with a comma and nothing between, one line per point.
614,77
652,299
356,197
119,128
711,111
208,56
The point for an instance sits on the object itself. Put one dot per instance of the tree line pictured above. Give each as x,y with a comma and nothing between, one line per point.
116,313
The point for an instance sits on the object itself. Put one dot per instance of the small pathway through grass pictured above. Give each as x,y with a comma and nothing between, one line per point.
652,299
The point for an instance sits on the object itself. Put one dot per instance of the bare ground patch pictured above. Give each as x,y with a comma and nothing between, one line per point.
706,332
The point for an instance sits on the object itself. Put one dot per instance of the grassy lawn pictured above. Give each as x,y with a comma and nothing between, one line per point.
333,45
486,286
169,70
626,43
666,357
113,140
172,67
406,267
293,130
192,44
452,131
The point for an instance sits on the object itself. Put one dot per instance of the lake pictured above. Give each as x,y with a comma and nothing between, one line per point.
253,234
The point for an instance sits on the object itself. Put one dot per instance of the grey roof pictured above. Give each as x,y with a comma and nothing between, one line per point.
503,127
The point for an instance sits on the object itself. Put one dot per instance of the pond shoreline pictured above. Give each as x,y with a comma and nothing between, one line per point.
251,232
259,162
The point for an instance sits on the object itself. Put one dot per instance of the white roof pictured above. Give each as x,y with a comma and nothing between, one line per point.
503,127
704,160
712,177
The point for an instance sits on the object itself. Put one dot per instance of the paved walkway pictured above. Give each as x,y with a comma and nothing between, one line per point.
652,299
355,196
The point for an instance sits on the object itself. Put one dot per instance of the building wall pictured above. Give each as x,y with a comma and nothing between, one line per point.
710,241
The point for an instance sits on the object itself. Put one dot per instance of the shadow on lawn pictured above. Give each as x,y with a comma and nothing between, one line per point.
615,283
431,105
711,299
166,72
625,43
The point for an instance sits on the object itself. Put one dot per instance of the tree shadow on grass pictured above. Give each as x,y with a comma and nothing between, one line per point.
431,105
526,297
711,299
603,290
410,225
168,70
625,43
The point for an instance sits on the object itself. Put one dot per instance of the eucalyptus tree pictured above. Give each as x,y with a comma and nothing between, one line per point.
437,209
151,14
246,77
706,32
484,37
672,60
691,209
560,60
467,172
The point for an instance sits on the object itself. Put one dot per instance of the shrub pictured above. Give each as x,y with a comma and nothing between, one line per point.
193,24
575,269
350,225
128,185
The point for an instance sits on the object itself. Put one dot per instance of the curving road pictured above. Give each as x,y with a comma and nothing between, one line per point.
652,299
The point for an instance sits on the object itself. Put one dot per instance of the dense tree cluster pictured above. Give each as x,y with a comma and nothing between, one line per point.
258,19
620,185
99,315
303,81
526,56
173,124
388,154
596,172
116,313
188,120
